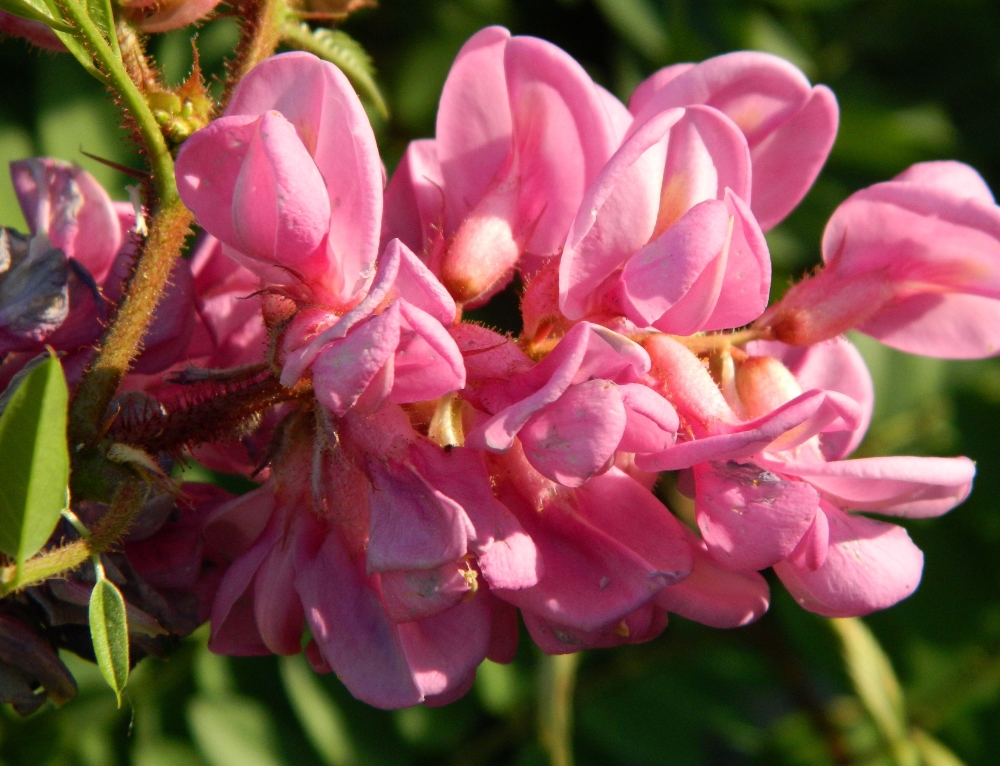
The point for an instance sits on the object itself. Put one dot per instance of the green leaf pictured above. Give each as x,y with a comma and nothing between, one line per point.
316,711
876,684
33,11
341,49
34,472
231,730
932,752
109,631
102,15
638,23
74,46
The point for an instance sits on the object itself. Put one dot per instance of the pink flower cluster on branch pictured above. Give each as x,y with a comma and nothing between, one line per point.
426,478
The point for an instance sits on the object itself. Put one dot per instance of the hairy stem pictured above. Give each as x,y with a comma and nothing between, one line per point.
556,681
261,33
118,79
123,339
113,525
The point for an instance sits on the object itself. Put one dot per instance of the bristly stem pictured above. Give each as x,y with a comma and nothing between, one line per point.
556,682
122,341
260,35
160,161
127,502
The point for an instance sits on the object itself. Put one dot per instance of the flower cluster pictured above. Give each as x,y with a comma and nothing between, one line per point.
427,478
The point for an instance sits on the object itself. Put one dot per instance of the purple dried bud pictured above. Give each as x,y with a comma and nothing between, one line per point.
34,289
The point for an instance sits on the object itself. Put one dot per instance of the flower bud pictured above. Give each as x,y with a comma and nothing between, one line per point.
764,384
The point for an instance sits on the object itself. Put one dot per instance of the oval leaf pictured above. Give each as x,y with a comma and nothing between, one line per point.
34,472
109,632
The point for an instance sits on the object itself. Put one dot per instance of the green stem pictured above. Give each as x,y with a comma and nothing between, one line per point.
122,342
113,525
556,681
160,161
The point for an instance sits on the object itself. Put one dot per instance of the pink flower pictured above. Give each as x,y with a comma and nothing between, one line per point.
664,235
34,32
789,125
393,344
60,282
378,543
521,131
576,408
913,262
164,15
290,181
780,499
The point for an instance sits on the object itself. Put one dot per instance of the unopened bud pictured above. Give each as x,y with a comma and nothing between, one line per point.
484,250
764,384
825,306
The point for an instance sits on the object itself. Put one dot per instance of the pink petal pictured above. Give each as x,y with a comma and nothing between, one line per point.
412,524
562,137
234,624
67,202
473,123
573,438
34,32
427,364
647,527
641,625
414,201
588,579
505,554
751,518
277,610
789,126
914,487
280,208
419,287
787,162
650,422
422,593
444,651
835,365
503,637
784,428
344,368
303,342
811,551
942,326
617,215
318,100
176,14
870,565
351,628
956,178
233,527
716,596
706,154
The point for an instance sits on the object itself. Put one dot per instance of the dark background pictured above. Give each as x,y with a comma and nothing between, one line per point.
916,81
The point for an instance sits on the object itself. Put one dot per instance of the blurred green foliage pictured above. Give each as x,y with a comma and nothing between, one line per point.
917,80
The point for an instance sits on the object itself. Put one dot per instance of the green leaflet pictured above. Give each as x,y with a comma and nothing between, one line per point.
877,686
102,15
73,44
342,50
109,632
34,472
27,9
